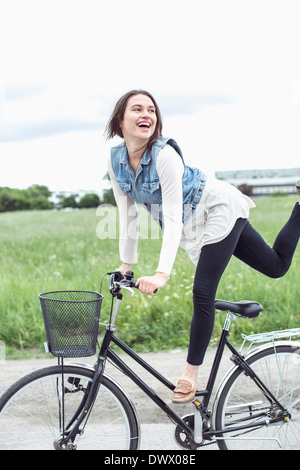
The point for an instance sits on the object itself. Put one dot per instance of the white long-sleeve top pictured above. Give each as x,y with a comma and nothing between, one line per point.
220,206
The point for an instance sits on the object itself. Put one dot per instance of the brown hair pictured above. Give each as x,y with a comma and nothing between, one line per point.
113,126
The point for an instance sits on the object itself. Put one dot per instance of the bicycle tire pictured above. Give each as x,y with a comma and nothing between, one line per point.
31,416
240,399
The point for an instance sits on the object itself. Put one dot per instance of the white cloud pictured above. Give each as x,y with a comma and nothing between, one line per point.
225,73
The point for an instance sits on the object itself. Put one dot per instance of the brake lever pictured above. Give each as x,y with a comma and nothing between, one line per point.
129,290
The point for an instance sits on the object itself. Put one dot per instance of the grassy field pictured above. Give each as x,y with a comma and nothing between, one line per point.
53,250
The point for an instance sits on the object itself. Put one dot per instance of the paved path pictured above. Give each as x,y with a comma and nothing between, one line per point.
157,430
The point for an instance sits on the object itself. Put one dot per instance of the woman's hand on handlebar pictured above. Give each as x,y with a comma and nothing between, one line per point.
123,268
148,284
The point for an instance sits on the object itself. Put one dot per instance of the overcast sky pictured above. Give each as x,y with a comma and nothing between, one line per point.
225,73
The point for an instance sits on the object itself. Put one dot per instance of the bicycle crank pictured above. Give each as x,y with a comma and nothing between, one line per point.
185,441
182,437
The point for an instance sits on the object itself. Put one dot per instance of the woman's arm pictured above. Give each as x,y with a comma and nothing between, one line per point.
170,170
129,223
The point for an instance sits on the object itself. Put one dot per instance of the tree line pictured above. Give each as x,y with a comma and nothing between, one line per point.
37,197
34,197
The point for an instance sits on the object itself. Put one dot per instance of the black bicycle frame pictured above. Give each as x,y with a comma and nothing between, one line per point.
202,407
237,358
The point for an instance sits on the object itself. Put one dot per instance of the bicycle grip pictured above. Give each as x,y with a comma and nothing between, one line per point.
137,287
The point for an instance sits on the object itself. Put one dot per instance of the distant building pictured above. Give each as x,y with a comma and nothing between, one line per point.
262,182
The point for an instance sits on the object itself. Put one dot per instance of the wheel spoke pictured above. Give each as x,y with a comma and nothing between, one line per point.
31,412
242,403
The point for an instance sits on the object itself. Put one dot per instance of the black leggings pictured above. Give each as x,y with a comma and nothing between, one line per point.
247,245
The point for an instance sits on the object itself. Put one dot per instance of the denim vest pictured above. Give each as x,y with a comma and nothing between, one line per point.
144,187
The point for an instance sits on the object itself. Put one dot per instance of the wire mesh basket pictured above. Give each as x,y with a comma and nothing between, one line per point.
71,320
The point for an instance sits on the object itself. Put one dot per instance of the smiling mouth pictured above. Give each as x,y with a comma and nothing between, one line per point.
145,125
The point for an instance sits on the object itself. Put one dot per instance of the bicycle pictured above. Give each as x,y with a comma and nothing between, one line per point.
70,406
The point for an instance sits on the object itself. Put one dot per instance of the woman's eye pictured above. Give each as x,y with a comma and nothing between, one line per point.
151,110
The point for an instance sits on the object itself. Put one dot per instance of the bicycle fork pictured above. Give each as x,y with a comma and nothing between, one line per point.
67,438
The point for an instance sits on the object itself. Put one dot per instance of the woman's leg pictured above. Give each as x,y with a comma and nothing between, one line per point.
248,245
273,262
211,265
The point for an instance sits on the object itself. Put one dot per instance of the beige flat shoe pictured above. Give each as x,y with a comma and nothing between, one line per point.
184,392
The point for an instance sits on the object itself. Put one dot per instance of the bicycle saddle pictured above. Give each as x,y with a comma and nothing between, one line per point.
246,308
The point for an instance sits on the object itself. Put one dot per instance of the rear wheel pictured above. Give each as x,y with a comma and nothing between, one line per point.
34,411
242,403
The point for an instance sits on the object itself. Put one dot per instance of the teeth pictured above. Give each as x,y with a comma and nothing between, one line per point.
144,124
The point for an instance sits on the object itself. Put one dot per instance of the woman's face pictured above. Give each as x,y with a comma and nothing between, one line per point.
139,119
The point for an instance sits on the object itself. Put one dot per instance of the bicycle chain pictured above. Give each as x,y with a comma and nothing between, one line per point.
205,444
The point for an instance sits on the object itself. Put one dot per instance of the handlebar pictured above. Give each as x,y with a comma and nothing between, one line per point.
118,282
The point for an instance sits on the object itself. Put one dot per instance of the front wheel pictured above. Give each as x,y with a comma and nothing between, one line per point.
241,403
34,410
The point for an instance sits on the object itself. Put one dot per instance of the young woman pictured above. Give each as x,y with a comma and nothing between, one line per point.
207,217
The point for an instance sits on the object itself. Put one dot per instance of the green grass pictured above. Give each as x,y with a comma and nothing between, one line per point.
52,250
